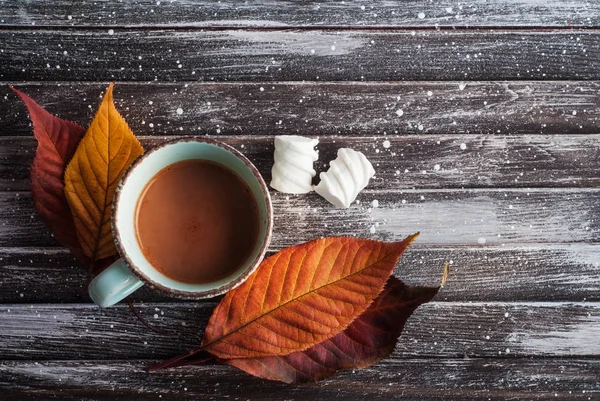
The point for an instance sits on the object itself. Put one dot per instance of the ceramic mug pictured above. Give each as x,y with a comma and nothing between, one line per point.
133,270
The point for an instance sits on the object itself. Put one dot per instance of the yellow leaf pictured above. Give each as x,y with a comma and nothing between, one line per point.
103,155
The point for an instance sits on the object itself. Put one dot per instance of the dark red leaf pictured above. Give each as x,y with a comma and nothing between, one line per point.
57,140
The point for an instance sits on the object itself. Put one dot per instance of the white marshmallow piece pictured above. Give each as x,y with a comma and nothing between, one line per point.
347,176
293,170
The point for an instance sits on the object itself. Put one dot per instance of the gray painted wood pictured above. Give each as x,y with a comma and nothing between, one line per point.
298,55
561,272
327,109
496,379
404,162
515,210
458,217
437,329
271,13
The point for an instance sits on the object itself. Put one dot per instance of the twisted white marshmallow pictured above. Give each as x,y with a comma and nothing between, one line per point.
347,176
293,170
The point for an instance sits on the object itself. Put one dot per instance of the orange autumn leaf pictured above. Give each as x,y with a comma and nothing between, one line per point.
105,152
301,296
371,337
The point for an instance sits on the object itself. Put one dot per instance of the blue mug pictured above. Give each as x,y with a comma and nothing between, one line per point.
133,270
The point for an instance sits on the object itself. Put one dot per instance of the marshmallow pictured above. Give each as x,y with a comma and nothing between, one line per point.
347,176
293,170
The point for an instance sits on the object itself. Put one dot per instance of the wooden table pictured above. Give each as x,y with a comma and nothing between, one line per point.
491,111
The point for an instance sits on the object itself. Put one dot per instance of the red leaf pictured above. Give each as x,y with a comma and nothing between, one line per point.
57,141
368,339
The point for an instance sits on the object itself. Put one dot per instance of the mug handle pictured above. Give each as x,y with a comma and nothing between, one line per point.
114,284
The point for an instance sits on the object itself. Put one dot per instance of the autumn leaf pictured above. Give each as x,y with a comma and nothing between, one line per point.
92,176
57,140
371,337
301,296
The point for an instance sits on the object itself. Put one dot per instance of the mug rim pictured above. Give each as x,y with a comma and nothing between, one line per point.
266,240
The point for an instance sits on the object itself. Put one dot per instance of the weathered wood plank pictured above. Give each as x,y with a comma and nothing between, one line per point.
406,162
324,109
298,55
270,13
457,217
448,329
402,379
563,272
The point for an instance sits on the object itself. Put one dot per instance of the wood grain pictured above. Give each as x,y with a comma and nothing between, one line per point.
325,109
490,110
437,329
459,217
561,272
396,379
270,13
405,162
287,55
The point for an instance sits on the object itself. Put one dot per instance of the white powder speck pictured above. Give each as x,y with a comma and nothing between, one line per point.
463,146
372,229
312,51
436,167
420,127
449,10
179,111
429,93
421,15
462,86
404,201
156,315
481,240
375,203
386,144
151,125
399,112
262,89
111,31
150,102
574,112
69,17
332,47
506,314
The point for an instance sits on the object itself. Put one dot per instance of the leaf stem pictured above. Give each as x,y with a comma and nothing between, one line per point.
144,321
175,361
